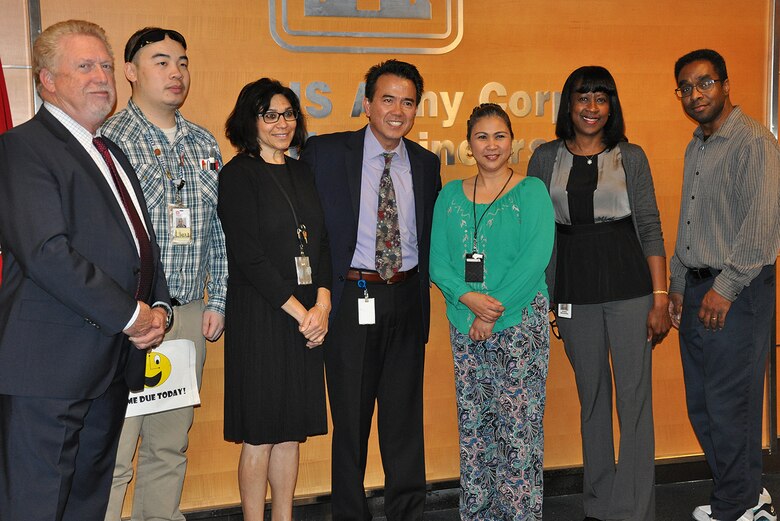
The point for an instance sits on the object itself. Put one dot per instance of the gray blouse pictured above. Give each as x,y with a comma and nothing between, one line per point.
610,199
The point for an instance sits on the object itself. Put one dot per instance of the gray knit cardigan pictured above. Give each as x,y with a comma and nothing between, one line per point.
641,198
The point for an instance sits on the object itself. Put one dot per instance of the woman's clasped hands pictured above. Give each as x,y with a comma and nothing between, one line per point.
314,326
487,310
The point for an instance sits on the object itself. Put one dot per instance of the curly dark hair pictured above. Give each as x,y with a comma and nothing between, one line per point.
254,99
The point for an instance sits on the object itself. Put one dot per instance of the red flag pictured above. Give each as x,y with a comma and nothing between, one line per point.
5,108
5,123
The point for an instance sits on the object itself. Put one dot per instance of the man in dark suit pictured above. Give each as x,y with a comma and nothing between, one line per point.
377,190
81,268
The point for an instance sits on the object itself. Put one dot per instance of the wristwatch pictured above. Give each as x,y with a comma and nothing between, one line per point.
168,313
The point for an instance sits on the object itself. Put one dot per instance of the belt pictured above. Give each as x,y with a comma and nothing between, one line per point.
175,302
700,273
373,276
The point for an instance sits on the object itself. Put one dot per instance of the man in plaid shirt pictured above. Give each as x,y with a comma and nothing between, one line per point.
177,163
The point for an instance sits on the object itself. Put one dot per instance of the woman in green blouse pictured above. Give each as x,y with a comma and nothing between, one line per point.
491,242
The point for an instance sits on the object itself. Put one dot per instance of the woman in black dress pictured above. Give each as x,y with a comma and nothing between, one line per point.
278,296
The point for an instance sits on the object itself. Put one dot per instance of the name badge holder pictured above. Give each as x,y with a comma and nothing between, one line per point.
475,267
302,263
179,215
366,310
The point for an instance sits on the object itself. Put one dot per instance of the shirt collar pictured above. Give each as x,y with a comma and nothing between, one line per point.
132,108
726,129
372,148
83,135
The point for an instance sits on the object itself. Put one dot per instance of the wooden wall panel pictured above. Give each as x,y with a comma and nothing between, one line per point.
15,55
527,47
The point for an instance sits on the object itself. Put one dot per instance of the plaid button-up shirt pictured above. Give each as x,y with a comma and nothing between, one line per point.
202,264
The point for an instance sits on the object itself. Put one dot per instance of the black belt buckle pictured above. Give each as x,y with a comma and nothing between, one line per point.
700,273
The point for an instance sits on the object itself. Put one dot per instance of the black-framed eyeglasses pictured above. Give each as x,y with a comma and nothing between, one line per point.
152,35
702,86
273,117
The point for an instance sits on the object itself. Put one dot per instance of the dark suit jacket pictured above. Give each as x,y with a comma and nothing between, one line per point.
70,265
337,163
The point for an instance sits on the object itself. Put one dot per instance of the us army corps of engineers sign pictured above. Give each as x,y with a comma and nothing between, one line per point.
291,21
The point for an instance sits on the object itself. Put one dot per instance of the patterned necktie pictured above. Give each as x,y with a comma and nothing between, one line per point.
144,288
388,231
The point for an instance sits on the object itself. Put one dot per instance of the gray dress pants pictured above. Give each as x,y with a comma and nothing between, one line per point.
594,333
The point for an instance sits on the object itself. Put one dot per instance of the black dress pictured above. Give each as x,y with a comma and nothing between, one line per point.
274,384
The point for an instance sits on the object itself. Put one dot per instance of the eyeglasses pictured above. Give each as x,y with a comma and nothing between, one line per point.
273,117
153,35
702,86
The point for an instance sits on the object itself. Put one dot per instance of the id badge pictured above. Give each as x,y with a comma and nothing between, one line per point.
366,315
180,224
475,267
303,270
564,310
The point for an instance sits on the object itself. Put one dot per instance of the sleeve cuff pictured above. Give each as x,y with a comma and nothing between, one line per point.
676,285
726,288
135,316
216,304
654,249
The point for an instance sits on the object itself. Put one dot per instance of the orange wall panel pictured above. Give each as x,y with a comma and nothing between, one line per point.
511,52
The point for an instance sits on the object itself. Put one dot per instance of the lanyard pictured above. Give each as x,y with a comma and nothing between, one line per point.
178,183
300,230
474,203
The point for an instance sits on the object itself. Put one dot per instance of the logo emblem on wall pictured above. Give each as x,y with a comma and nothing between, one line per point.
367,26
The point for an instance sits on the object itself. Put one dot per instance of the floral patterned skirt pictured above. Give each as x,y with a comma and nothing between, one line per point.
500,388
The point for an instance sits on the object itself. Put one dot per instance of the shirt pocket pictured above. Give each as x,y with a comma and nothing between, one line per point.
152,183
209,185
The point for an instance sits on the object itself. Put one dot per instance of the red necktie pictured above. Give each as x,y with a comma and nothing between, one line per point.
144,288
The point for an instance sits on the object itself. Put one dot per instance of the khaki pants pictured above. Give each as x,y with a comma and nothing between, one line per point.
162,460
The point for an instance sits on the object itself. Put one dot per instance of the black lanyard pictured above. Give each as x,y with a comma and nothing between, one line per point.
177,184
474,202
300,229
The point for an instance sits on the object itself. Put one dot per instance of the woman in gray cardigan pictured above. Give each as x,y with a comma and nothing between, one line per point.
607,281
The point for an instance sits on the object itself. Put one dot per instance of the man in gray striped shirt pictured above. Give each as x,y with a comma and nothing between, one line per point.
723,283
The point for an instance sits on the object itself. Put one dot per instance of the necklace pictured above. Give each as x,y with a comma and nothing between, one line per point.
588,158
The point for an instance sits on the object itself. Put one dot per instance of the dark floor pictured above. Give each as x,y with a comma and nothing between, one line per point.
674,502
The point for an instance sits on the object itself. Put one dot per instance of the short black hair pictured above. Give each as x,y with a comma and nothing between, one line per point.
709,55
147,35
592,78
484,110
254,99
398,68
